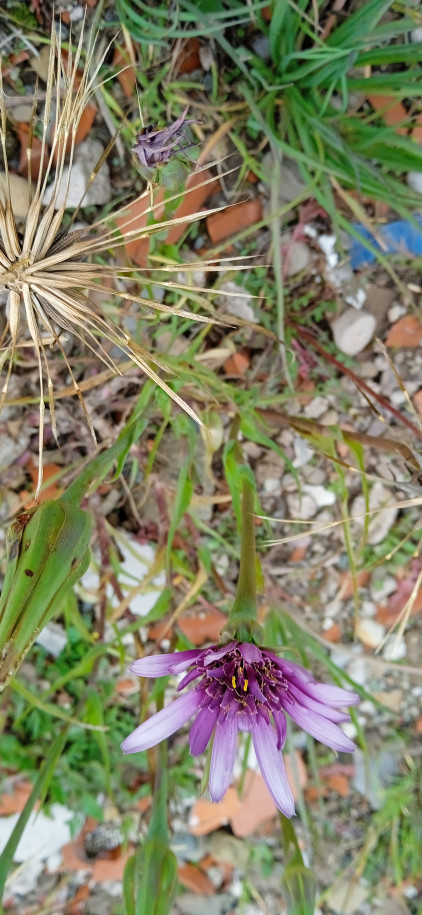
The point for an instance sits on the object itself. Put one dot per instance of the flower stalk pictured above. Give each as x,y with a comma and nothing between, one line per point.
150,876
242,623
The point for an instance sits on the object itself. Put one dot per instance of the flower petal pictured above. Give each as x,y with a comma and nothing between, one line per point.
162,724
317,707
223,757
202,729
158,665
272,766
214,654
189,677
250,652
319,727
281,728
331,695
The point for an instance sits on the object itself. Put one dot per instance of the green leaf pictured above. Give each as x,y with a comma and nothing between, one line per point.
181,503
38,793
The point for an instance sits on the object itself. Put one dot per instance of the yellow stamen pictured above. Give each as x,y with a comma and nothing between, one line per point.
245,686
234,684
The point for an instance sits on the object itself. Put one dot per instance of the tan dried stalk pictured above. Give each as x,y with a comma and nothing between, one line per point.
47,269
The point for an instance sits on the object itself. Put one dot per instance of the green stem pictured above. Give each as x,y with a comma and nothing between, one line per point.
158,823
242,622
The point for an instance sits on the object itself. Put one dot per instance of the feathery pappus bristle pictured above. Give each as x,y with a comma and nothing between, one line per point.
47,269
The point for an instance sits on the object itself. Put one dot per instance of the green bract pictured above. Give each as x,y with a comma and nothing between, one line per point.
47,552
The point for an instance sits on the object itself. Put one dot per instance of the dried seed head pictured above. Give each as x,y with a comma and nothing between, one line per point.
46,269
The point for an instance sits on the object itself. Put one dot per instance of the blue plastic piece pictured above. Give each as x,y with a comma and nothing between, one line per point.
400,237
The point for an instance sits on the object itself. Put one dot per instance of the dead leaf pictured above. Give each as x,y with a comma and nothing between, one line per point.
37,165
127,74
202,625
257,806
339,783
234,219
188,58
392,111
15,800
135,217
205,816
237,364
407,332
194,879
333,634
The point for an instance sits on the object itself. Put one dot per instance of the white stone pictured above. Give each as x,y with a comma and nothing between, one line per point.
357,300
235,300
40,63
358,669
291,183
353,330
22,113
395,312
368,609
327,244
76,14
42,839
303,452
135,567
302,508
414,181
416,35
330,418
395,649
320,494
383,520
297,258
19,193
317,407
74,180
271,484
370,632
349,729
53,638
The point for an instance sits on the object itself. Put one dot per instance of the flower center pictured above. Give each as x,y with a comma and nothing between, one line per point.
239,681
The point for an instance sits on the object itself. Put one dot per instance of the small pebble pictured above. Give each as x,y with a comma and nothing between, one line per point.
320,495
414,181
316,408
98,193
349,729
271,484
395,649
235,300
353,330
395,312
76,14
370,632
18,192
297,258
303,508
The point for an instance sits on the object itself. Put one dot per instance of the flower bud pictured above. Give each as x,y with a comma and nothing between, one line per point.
47,551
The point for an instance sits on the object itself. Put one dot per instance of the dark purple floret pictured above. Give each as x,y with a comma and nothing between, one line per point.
155,146
240,687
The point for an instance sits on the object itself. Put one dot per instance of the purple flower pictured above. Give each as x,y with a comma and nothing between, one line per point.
155,146
243,688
